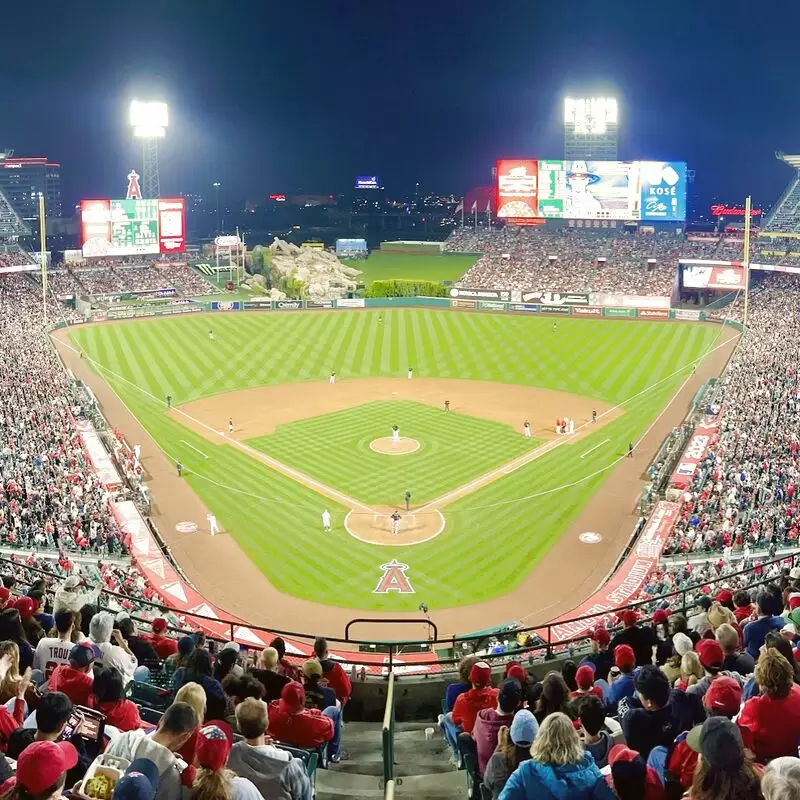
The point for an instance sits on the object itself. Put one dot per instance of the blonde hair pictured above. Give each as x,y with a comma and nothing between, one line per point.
781,779
774,674
557,741
210,785
269,657
691,667
8,687
193,695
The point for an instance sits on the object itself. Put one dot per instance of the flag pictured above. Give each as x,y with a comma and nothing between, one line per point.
459,207
474,206
488,206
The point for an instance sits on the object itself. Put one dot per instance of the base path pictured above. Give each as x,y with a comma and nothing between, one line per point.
569,572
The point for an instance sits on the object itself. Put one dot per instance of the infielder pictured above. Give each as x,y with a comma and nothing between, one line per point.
395,434
169,401
332,379
326,521
410,373
594,417
212,524
230,425
447,406
407,498
526,430
395,522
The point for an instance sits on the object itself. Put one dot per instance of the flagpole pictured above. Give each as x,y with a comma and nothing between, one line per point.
462,211
475,209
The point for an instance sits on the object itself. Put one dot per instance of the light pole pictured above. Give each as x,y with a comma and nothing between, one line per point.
149,121
216,186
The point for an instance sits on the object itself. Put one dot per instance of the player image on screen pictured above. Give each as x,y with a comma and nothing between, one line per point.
581,201
602,190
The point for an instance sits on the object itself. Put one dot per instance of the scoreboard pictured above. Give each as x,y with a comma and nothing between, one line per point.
132,227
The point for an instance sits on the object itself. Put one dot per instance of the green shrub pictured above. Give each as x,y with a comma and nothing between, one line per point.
400,288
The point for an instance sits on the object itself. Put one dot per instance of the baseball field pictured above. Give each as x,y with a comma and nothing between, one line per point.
268,443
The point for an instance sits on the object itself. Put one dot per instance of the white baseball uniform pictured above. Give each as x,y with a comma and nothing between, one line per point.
395,524
326,520
212,524
332,378
526,429
211,335
410,373
395,434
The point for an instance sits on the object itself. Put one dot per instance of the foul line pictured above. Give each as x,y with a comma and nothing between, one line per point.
592,449
197,450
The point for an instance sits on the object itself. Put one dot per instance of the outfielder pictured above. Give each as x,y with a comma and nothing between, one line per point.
212,524
210,335
332,379
526,430
326,521
407,498
395,434
410,373
395,522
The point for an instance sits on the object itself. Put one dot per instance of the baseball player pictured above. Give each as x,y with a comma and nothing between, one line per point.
447,406
212,524
395,434
326,521
137,451
571,425
407,498
169,401
332,379
210,335
179,468
395,522
410,373
594,417
630,450
230,425
526,430
554,327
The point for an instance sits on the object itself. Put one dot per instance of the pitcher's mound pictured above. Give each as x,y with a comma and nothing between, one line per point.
390,447
375,527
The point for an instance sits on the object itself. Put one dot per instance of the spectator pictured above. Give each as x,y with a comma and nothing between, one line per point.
735,660
176,727
193,695
773,718
621,677
584,678
51,717
698,622
50,651
513,747
640,639
651,724
240,687
11,630
108,697
318,695
781,779
285,667
725,771
554,698
490,720
332,672
165,646
42,771
712,657
10,681
142,650
455,689
691,671
631,777
76,678
681,645
267,673
600,656
114,650
292,723
213,781
596,739
26,608
468,704
199,670
743,606
769,606
138,782
226,664
275,773
178,661
558,769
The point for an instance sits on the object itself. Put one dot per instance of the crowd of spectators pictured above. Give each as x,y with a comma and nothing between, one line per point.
110,276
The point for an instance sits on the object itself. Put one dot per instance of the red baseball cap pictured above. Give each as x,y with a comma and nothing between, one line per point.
724,696
600,635
661,615
725,597
517,672
480,674
41,764
293,696
584,677
629,618
27,608
794,600
213,746
624,656
710,653
158,625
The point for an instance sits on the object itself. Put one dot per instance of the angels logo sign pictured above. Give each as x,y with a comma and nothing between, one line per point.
134,190
394,579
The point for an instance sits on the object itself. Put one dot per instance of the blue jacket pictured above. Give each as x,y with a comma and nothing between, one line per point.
755,632
624,686
533,780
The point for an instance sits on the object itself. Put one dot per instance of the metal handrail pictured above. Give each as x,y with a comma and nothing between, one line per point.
379,621
387,731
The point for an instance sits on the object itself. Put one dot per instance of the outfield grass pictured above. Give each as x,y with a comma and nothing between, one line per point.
334,448
388,266
269,514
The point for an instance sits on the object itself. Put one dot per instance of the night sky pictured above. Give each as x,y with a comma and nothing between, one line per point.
285,96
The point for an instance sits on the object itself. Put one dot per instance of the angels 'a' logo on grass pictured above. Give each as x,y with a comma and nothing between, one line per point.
394,579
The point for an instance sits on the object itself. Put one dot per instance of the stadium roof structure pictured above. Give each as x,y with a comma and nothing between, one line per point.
11,223
784,218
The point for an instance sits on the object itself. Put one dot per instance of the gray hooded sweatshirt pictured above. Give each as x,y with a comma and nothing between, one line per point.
276,773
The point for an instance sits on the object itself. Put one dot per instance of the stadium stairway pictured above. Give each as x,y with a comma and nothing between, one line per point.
422,767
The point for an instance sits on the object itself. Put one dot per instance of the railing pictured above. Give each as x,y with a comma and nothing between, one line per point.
387,733
389,793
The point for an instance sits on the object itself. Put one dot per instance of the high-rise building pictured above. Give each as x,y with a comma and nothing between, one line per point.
21,181
590,128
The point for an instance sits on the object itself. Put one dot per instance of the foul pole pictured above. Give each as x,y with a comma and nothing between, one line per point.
43,256
746,264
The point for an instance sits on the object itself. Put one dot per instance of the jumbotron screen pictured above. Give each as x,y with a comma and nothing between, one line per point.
619,190
134,227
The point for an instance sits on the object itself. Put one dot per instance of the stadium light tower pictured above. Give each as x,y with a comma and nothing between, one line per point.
590,128
149,121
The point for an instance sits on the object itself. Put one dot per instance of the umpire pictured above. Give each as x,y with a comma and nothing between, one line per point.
407,498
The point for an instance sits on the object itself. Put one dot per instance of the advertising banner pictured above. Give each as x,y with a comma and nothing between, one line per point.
350,302
625,584
472,304
171,225
587,311
713,277
663,190
367,182
289,305
694,453
226,305
632,301
491,305
73,256
314,245
254,305
688,314
556,298
482,294
98,455
319,304
546,309
653,313
345,246
534,307
610,311
517,189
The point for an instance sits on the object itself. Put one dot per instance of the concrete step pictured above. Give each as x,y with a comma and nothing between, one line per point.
335,784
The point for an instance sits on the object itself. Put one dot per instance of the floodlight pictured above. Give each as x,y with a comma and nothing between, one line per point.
149,120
